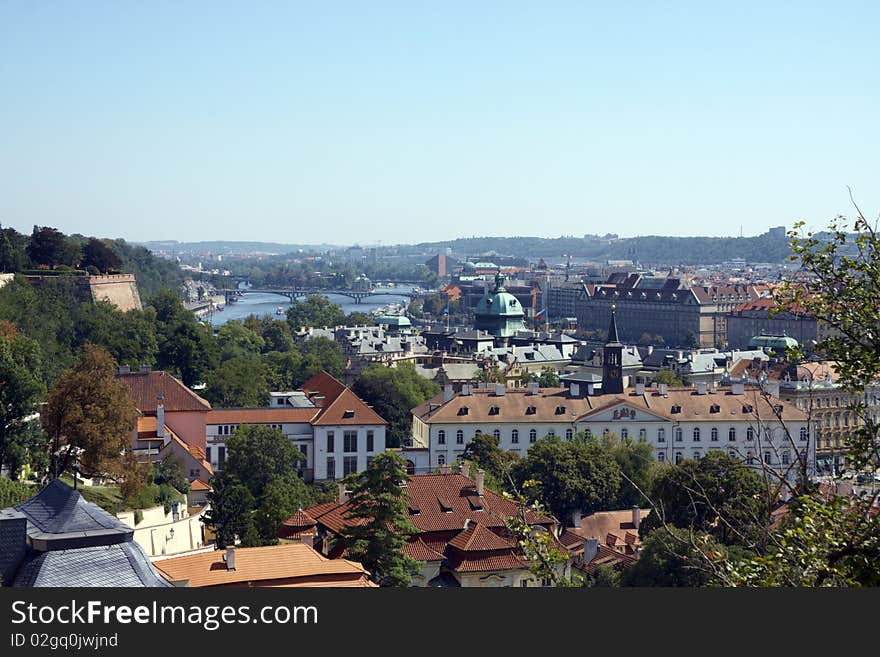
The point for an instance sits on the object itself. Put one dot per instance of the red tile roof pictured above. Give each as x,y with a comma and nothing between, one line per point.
420,551
477,538
146,387
198,484
486,562
338,404
299,524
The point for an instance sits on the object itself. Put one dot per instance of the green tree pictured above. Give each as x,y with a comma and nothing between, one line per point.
484,452
393,392
321,354
100,255
258,487
378,525
237,340
130,337
668,377
237,383
20,393
170,471
577,475
13,254
358,318
717,494
637,467
89,417
49,246
676,557
186,347
314,310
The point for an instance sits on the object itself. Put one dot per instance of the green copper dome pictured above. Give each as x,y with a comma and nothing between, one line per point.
499,312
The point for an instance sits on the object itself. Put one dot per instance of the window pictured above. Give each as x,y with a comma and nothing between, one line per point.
803,433
497,434
514,436
750,434
477,432
551,433
696,456
533,435
784,458
767,457
194,473
441,459
678,434
661,456
441,437
749,458
349,441
459,437
676,408
221,456
494,410
677,458
624,433
643,435
731,434
661,435
588,433
569,434
731,453
331,443
696,434
714,435
305,452
370,443
331,467
208,454
349,465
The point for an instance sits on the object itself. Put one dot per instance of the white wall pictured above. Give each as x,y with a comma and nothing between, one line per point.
160,534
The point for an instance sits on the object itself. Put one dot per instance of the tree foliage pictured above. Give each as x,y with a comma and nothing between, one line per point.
378,526
314,310
20,393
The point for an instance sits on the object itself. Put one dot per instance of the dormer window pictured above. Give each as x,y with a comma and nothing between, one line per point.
560,410
463,410
714,408
494,410
349,413
445,505
747,408
676,408
531,410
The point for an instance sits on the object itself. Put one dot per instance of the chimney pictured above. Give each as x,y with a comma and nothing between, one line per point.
478,481
229,557
662,389
144,368
640,388
701,387
13,538
737,388
465,468
308,539
574,390
576,518
591,549
637,516
124,369
467,523
343,494
534,388
499,389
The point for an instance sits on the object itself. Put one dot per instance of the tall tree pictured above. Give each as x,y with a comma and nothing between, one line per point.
378,521
20,393
484,452
49,246
314,310
675,557
393,392
637,468
186,347
238,382
258,487
13,254
98,254
89,417
578,475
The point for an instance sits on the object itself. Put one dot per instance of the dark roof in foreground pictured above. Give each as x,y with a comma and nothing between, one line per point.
123,564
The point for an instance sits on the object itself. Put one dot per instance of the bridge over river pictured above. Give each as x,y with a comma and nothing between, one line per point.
294,293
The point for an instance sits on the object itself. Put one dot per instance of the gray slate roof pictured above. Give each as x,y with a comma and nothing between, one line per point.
123,564
58,509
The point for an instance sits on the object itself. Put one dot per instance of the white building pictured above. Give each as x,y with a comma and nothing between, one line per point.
679,423
333,428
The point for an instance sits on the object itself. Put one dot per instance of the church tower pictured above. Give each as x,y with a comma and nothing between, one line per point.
612,359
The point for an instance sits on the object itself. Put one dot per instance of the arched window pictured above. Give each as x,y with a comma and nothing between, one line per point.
533,435
497,434
441,437
677,458
714,435
678,434
696,434
514,436
569,434
784,458
731,435
661,435
750,434
459,437
803,433
624,433
410,467
441,459
643,435
588,433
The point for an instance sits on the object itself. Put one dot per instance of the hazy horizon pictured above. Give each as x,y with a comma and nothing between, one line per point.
390,123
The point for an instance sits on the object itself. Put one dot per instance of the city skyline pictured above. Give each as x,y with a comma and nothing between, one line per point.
394,124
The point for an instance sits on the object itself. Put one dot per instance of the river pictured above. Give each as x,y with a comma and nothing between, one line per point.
267,304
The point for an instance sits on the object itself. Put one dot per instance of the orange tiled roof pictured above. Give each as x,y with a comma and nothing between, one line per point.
294,564
261,415
486,562
145,388
338,404
477,538
420,551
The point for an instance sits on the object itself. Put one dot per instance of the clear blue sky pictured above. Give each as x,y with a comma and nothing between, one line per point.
399,122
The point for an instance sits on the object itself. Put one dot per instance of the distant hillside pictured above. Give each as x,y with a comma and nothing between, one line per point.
232,248
647,250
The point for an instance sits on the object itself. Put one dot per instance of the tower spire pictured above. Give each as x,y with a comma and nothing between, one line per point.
612,329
